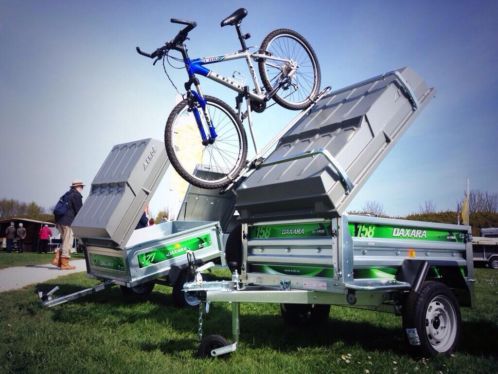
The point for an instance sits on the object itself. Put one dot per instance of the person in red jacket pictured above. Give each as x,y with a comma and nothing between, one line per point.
44,236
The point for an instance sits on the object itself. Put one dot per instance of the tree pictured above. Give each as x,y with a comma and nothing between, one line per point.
481,202
483,207
428,207
374,208
14,208
8,208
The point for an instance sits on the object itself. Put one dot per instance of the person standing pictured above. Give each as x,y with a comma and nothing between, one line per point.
74,201
10,234
44,236
21,236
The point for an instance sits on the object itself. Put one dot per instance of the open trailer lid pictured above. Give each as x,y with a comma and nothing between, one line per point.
123,186
321,163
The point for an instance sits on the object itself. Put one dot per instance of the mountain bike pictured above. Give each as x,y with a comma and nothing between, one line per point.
204,137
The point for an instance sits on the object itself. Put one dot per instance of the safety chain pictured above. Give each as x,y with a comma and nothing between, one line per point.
201,317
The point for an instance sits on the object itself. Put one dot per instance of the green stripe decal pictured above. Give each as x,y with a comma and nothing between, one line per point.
293,230
376,273
108,262
366,230
170,251
307,271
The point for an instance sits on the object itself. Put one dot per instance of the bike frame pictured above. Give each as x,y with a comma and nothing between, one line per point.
196,67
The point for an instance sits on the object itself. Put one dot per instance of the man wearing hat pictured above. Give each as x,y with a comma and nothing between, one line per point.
74,201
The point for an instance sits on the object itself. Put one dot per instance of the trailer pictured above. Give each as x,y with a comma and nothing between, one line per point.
283,230
296,245
116,253
486,247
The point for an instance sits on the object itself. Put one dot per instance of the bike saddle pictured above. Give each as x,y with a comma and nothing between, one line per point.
234,18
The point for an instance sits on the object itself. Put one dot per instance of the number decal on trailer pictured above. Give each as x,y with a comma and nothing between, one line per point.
365,231
263,232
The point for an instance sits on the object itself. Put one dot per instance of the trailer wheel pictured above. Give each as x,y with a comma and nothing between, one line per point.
182,299
493,262
304,314
210,342
431,320
141,291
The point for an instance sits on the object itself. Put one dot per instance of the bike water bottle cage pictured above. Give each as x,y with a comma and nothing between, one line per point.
235,18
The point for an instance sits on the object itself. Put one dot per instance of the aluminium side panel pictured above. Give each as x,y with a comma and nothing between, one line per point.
120,190
357,126
200,204
386,242
296,254
152,251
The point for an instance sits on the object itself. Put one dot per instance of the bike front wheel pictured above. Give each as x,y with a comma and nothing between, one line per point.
291,63
212,165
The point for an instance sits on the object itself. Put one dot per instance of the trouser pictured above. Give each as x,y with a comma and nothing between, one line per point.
67,240
43,246
20,245
10,245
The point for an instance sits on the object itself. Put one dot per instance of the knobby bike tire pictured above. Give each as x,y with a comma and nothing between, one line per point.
228,122
302,81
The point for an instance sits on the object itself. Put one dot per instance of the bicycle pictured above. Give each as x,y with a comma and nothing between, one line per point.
290,74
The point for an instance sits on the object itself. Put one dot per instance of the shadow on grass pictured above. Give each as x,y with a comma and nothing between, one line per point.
171,347
479,338
266,330
271,331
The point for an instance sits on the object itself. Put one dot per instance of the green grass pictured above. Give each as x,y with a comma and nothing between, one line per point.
23,259
28,258
104,333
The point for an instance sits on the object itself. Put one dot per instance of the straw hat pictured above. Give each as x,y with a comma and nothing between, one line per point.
77,183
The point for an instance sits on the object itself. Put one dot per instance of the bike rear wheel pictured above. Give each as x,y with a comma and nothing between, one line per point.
303,86
208,166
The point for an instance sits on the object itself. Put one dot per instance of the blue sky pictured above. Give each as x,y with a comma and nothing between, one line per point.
72,86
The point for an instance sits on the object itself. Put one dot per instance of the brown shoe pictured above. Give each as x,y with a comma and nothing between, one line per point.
65,264
57,258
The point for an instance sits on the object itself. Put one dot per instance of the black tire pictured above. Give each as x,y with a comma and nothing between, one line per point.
493,262
224,158
184,299
210,342
233,249
288,44
139,292
304,314
431,320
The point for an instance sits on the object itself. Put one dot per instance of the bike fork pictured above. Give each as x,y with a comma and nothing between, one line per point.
196,97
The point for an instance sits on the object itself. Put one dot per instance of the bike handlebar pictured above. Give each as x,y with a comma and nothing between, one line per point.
177,42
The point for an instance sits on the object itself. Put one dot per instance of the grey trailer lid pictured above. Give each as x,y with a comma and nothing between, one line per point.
122,187
200,204
321,163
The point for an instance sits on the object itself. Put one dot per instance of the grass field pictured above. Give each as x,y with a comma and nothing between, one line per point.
104,333
22,259
27,258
